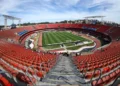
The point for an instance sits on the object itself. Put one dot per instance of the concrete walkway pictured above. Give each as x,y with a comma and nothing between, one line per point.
64,73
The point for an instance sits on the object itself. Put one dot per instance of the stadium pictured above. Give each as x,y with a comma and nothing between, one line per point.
71,53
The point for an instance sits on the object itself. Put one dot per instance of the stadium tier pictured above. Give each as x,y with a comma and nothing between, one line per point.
43,66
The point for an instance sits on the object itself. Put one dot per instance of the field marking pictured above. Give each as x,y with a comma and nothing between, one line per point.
61,37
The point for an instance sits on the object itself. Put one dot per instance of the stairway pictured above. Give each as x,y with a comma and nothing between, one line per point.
64,73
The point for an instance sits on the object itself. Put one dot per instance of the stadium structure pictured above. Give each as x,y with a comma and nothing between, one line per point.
60,54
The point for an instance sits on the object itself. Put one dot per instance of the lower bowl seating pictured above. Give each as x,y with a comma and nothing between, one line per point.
16,60
28,67
108,62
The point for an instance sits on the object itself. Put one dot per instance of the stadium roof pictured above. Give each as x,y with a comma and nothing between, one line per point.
95,17
11,17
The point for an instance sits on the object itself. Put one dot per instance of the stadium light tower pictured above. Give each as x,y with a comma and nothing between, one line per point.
6,17
94,17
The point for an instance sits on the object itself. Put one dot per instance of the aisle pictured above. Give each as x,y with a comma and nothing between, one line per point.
64,73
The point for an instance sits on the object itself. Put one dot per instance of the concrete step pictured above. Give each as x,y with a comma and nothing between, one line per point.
62,82
70,77
45,84
64,73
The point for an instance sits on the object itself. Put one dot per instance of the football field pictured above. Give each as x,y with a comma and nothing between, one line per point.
53,39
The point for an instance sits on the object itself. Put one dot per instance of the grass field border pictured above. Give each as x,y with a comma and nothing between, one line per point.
53,39
60,37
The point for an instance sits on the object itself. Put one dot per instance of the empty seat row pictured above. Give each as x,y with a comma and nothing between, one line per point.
15,59
106,79
108,61
4,81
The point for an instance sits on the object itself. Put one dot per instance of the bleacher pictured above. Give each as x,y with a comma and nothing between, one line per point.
28,66
15,60
108,61
22,33
114,32
12,33
40,26
52,26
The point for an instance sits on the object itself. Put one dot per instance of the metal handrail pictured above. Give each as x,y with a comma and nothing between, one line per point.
35,71
84,68
115,80
48,62
99,75
3,72
92,77
84,74
42,63
34,84
6,72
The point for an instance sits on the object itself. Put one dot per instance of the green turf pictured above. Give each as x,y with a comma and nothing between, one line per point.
69,44
52,46
53,40
59,37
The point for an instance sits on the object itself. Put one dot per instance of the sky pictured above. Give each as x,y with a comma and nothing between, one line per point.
57,10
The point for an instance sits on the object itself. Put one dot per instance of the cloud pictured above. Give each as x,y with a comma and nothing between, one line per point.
8,5
56,10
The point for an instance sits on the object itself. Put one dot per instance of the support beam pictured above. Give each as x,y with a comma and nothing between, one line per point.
19,22
13,21
86,20
102,20
11,18
5,23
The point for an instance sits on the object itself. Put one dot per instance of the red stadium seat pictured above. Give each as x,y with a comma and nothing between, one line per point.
97,83
24,78
40,74
4,81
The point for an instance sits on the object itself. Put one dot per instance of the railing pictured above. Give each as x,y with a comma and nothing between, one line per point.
49,62
84,72
27,73
3,72
114,83
88,82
